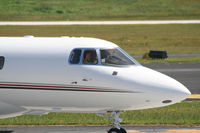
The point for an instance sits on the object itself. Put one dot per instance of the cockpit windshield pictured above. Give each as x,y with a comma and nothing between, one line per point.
114,57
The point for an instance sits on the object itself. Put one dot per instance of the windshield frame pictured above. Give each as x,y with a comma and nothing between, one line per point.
130,57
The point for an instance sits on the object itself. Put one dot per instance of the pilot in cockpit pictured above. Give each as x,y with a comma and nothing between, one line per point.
90,57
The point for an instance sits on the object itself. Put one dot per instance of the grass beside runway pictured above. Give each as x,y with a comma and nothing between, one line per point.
34,10
135,39
184,113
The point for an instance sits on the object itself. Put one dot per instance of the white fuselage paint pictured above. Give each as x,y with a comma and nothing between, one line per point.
37,75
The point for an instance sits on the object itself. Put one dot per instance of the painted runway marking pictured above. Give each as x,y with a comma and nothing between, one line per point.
101,22
134,131
196,96
186,130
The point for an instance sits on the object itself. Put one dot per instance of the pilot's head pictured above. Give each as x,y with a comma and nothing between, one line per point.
90,57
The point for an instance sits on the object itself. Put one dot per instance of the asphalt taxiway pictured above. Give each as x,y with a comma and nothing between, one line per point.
186,73
96,129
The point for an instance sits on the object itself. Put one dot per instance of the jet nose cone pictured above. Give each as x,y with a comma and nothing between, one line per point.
174,89
182,90
186,91
166,87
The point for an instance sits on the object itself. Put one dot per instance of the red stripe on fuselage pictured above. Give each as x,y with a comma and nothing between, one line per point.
45,86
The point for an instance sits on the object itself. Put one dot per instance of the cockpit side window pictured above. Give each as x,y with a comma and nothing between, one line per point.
2,60
90,57
114,57
75,56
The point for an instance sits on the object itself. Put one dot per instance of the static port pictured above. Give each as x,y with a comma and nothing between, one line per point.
167,101
114,73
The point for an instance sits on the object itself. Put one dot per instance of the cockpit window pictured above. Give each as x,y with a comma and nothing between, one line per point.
75,56
2,59
114,57
90,57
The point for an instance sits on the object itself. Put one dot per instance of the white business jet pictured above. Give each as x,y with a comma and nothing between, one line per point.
39,75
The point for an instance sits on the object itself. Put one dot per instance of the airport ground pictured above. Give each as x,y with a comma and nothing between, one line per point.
97,129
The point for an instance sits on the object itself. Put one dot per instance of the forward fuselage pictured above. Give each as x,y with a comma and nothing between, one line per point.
37,74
